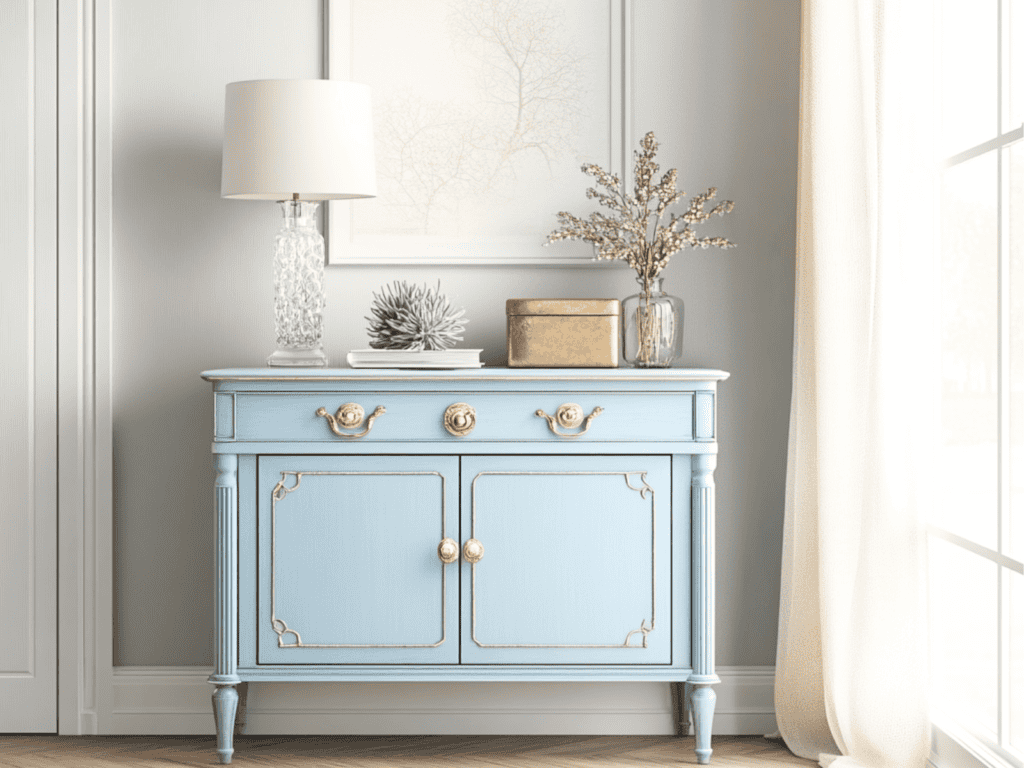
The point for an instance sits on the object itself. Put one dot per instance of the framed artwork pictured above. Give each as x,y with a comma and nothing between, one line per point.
484,111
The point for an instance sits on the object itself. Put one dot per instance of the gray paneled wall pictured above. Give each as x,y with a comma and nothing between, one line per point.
717,81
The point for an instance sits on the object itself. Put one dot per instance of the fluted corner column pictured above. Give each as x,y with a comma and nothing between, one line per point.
702,695
225,626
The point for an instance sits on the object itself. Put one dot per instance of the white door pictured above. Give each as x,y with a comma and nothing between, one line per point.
28,368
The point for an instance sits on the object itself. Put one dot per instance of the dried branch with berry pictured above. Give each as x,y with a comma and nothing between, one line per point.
635,230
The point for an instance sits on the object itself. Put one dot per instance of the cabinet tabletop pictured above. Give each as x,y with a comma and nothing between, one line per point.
464,374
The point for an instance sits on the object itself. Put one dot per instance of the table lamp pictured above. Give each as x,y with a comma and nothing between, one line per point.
298,142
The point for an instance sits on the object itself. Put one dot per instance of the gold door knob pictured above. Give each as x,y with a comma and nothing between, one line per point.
448,551
459,419
472,551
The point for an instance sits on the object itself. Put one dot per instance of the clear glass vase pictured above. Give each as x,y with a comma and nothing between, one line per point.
299,287
652,327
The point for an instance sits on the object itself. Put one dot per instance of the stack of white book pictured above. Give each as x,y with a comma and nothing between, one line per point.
407,358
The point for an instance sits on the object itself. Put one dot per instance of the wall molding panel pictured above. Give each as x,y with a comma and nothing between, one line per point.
176,700
28,379
211,273
85,543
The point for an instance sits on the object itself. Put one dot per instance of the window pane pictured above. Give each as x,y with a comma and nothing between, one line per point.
963,635
969,69
1016,459
1016,661
968,502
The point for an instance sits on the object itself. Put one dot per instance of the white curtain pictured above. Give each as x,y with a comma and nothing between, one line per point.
851,675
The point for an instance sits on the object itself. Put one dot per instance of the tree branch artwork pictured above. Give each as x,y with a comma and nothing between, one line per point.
432,154
426,156
529,76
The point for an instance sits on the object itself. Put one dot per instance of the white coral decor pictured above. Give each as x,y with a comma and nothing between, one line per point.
414,317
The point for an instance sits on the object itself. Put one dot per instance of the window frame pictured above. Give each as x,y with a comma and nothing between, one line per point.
977,744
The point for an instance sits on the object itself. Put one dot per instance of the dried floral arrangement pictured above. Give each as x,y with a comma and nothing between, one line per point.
634,231
414,317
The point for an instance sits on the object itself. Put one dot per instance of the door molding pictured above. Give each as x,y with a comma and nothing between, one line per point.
416,497
28,661
278,494
84,444
644,489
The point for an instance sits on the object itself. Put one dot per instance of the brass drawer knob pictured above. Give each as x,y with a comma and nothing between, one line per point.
350,416
448,551
459,419
569,416
472,551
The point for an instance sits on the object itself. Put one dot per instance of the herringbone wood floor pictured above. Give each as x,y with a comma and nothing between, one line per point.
25,751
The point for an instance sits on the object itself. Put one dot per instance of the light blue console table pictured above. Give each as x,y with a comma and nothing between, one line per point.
486,524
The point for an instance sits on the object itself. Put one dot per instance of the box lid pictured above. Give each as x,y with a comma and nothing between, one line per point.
562,307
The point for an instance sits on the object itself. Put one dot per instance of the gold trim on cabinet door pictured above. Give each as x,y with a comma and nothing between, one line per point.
278,625
644,630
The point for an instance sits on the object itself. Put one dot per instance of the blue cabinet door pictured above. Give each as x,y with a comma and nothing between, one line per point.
349,571
576,565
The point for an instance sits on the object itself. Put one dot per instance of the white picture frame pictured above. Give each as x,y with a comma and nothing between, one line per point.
435,70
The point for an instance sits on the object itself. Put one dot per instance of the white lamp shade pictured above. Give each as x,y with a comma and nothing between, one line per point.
313,138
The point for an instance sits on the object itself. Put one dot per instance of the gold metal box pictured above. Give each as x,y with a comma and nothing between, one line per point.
563,333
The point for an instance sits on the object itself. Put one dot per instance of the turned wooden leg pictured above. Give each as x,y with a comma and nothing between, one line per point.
702,696
702,703
243,697
225,664
225,705
687,709
680,709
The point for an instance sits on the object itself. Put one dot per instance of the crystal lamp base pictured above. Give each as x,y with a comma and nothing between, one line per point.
312,358
299,288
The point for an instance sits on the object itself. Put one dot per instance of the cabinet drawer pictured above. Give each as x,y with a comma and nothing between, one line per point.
653,417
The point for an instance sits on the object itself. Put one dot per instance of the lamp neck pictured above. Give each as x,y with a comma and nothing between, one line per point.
299,214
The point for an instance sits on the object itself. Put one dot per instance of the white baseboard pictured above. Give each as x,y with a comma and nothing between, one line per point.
176,700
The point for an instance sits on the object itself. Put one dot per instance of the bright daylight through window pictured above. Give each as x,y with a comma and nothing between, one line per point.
977,527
